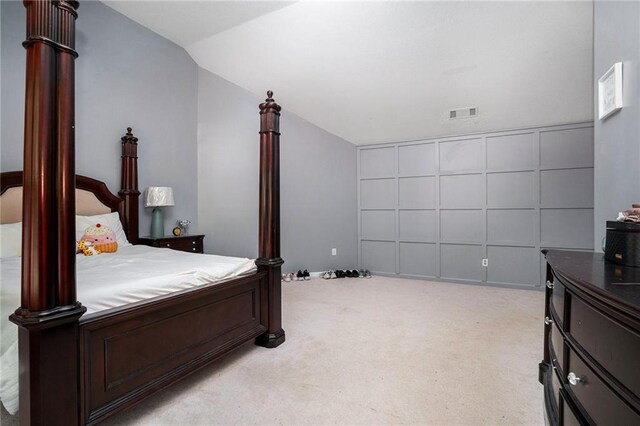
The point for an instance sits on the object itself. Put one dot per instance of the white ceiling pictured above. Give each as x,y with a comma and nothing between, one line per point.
185,22
373,72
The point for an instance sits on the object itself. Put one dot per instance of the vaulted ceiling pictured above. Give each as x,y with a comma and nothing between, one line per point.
373,72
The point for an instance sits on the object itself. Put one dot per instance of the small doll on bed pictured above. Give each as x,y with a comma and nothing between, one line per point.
100,238
87,248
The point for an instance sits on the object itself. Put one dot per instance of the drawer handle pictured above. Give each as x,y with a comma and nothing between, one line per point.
549,284
548,321
573,379
193,243
168,245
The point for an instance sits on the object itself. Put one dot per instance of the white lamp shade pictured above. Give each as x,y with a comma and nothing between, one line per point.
156,196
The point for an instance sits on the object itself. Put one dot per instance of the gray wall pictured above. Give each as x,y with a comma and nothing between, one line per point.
436,208
126,75
318,189
617,138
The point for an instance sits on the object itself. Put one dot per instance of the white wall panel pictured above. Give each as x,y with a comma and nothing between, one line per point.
511,152
516,226
417,225
377,194
462,225
461,191
561,149
513,189
377,162
378,225
417,159
464,155
379,256
418,259
417,193
567,188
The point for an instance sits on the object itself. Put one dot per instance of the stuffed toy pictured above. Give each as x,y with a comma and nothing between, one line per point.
87,248
101,237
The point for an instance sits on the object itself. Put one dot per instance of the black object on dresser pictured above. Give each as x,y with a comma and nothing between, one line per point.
623,243
189,243
591,365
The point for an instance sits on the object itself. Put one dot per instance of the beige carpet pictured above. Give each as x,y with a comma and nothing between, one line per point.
377,351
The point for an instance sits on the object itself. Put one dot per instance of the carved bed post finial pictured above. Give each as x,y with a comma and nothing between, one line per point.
269,221
49,311
129,185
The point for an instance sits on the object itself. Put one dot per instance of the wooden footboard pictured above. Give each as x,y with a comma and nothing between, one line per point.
128,353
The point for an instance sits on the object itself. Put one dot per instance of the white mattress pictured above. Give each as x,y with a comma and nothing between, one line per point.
106,281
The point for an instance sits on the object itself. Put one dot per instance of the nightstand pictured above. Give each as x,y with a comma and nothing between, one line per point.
189,243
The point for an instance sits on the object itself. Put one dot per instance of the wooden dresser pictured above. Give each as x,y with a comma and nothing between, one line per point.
591,365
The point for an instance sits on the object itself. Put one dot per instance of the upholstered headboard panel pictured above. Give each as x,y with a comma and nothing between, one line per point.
87,204
92,197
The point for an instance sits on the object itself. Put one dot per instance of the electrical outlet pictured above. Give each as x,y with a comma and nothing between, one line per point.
485,262
334,252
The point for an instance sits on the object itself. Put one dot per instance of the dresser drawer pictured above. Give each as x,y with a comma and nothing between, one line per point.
611,344
569,416
557,300
555,386
188,243
557,347
183,245
601,403
551,396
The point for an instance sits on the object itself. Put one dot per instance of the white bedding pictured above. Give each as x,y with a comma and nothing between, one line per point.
106,281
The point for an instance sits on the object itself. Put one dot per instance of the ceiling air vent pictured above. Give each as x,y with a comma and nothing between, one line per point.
468,112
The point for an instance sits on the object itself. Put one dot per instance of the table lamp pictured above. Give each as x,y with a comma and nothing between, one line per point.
157,197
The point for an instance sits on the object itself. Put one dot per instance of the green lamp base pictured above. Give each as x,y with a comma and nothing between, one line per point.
157,223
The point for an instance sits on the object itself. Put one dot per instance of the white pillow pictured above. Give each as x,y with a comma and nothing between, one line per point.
11,239
112,220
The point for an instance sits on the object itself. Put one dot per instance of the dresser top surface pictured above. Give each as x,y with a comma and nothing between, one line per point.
615,282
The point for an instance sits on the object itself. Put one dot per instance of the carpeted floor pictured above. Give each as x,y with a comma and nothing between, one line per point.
377,351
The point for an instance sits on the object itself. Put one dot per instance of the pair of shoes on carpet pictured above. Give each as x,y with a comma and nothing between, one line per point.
341,274
303,275
329,275
300,276
353,273
288,277
364,273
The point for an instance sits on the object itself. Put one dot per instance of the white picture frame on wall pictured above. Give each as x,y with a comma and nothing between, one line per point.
610,91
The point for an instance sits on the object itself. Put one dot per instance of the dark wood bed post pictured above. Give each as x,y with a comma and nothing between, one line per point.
129,185
48,315
269,259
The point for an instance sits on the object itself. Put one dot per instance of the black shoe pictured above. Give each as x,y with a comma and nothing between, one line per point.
355,273
339,273
306,275
348,274
300,275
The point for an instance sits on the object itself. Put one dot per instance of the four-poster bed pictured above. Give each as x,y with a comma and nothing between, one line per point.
80,369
